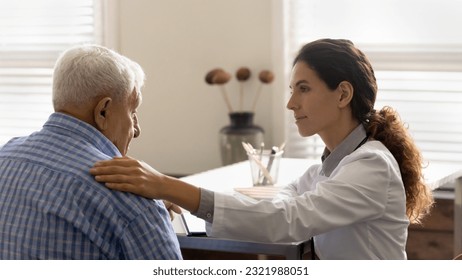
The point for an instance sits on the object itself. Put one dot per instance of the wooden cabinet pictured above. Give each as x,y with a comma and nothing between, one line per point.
434,238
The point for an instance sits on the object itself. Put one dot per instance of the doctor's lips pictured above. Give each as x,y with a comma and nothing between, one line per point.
299,118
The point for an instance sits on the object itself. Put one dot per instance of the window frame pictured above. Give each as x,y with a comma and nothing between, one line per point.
384,57
40,71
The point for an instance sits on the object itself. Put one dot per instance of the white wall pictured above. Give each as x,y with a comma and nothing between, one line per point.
177,43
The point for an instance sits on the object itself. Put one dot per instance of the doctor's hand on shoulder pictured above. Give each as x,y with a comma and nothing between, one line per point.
127,174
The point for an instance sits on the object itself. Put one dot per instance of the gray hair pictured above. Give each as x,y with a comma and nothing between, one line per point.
85,72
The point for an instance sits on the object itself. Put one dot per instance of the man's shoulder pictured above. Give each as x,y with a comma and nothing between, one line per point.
65,163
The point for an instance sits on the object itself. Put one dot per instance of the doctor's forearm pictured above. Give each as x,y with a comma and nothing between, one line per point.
181,193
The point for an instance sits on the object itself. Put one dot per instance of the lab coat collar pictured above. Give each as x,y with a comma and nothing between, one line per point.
330,160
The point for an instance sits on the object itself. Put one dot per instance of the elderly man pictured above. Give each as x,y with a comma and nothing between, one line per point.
50,205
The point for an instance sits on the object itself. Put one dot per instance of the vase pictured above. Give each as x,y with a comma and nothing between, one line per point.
241,129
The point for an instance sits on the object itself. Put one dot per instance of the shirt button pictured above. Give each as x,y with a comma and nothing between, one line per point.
209,215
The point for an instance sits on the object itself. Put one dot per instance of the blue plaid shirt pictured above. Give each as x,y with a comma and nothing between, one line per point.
52,208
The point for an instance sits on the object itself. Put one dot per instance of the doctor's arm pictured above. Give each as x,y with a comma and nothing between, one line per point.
130,175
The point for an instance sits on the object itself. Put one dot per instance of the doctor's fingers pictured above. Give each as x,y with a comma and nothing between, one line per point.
138,190
123,187
173,207
119,161
117,170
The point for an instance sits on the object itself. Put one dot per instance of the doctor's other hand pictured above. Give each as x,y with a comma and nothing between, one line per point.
172,208
129,175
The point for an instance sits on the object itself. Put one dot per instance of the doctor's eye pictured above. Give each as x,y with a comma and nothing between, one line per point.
304,88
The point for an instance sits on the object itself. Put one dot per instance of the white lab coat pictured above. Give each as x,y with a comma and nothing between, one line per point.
358,212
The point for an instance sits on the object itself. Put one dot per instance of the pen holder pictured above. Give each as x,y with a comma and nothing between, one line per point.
264,167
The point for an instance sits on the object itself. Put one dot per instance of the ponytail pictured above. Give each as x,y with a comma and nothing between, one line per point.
386,127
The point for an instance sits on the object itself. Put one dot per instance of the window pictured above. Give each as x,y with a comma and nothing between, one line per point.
417,56
32,35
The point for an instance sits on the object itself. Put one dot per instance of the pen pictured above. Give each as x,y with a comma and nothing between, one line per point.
260,175
253,156
274,150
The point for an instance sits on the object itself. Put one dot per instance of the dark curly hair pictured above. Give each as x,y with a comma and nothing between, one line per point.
337,60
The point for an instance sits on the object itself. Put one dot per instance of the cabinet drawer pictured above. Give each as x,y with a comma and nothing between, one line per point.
430,245
441,217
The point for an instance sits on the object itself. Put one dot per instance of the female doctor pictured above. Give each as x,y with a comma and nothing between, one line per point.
357,204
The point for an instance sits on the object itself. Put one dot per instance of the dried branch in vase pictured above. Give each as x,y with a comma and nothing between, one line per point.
265,77
242,75
218,76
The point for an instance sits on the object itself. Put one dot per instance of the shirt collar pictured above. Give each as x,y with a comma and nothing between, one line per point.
77,129
330,160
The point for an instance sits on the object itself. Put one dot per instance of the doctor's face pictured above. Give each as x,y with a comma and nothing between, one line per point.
313,103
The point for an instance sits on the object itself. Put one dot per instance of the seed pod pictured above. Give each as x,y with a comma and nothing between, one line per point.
221,78
211,74
243,74
266,76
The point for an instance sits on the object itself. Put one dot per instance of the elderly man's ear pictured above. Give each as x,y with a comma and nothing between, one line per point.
100,113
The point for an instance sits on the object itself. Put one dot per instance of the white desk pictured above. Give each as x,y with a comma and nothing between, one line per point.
225,179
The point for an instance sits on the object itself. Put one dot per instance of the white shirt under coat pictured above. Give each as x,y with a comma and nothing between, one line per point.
353,204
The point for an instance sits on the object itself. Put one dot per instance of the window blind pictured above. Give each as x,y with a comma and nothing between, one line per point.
417,62
430,104
32,35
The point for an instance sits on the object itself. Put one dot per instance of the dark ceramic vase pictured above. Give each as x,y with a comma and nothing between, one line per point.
241,129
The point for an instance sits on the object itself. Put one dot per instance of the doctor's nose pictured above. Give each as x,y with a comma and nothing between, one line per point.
291,104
